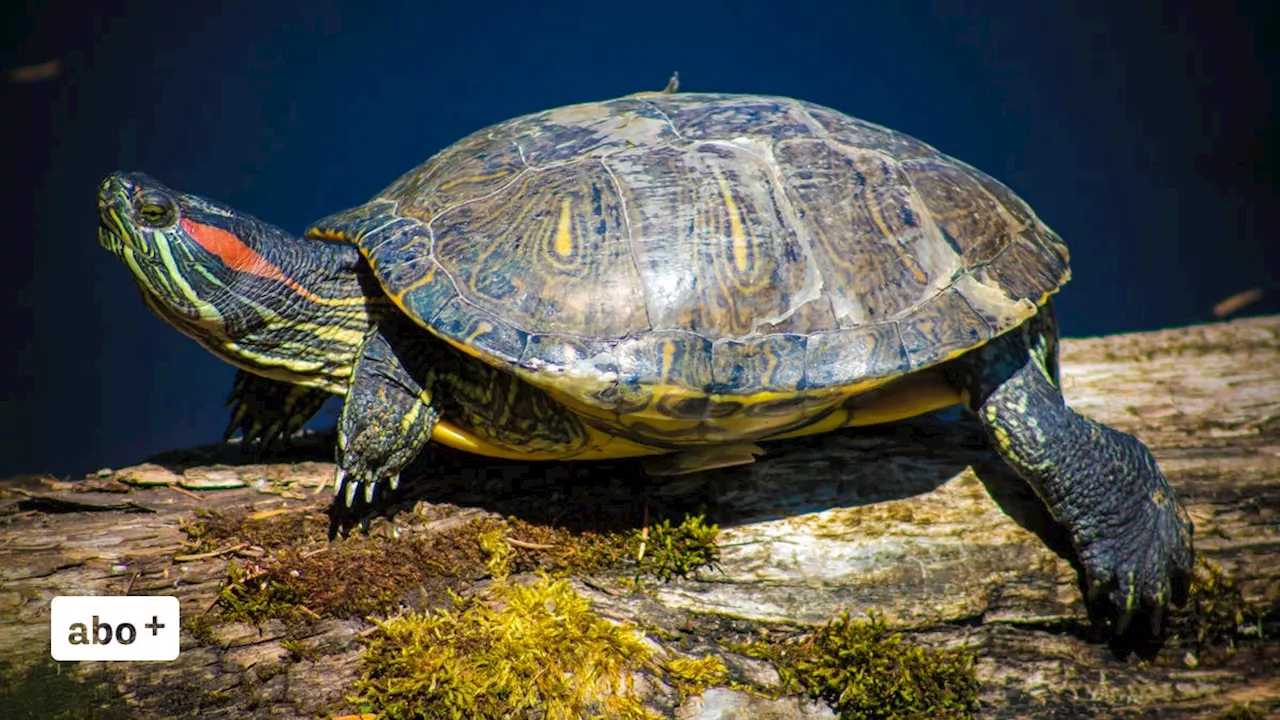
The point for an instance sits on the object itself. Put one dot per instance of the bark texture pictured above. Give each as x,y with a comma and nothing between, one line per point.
915,521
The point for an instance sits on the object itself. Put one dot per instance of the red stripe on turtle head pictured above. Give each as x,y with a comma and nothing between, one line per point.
237,255
231,250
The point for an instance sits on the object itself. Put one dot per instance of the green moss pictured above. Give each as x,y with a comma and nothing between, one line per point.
781,656
302,574
497,551
200,626
1215,617
560,552
199,539
661,551
519,650
669,551
256,598
298,650
863,670
691,676
49,690
513,649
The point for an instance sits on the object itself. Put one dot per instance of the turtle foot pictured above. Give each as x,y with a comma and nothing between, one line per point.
1136,557
386,420
268,412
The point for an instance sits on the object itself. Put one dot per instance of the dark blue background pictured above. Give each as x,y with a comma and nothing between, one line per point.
1141,131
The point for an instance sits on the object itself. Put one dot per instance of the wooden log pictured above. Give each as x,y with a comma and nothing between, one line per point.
911,521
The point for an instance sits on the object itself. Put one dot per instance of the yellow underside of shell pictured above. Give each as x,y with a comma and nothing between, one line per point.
906,398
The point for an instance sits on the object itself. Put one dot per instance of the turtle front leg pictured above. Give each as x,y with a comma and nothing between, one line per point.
1132,536
388,416
268,412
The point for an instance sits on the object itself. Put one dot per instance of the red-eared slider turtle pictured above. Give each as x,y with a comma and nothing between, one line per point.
660,274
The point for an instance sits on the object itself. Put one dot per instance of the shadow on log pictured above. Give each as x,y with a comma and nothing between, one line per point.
892,520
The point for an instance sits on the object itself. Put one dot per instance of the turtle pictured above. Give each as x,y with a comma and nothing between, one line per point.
674,277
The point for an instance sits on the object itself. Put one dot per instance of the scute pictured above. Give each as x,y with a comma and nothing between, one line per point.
548,253
715,244
705,245
944,326
873,249
766,363
868,352
665,357
486,335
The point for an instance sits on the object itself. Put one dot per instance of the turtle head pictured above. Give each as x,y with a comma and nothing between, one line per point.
242,288
189,255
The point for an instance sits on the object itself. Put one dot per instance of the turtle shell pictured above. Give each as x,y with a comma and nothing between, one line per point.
707,245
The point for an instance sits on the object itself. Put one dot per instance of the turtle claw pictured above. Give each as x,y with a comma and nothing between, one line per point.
348,484
1157,620
1137,584
267,412
274,434
1123,622
255,434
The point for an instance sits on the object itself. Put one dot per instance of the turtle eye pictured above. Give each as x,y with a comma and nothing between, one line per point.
155,211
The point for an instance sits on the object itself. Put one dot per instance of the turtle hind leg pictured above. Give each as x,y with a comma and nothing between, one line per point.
268,412
388,414
1131,535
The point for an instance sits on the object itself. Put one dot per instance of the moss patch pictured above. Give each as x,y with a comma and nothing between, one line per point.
200,625
512,649
661,551
271,529
255,597
864,670
520,649
668,551
298,650
302,575
51,690
560,552
538,648
1215,617
691,676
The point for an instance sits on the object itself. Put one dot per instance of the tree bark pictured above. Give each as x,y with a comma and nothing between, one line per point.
915,521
